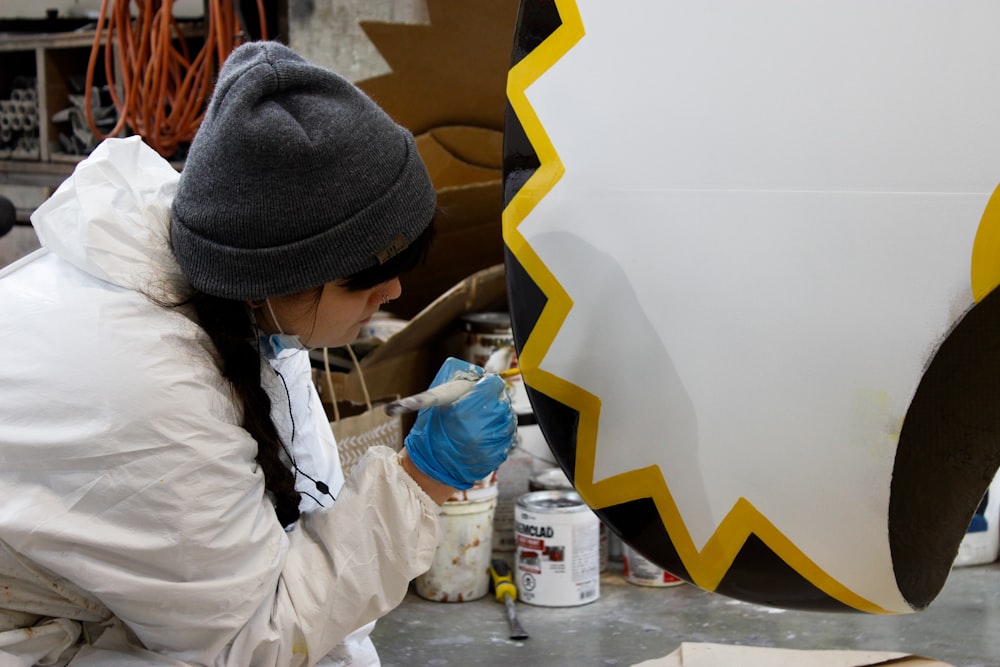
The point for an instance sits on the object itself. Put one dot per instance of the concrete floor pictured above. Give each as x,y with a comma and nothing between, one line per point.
630,623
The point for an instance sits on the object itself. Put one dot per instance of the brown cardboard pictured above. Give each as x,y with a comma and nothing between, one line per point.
450,72
464,164
448,87
694,654
468,238
461,155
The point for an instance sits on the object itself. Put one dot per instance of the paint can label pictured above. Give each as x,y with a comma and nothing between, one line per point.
554,478
485,333
557,555
640,571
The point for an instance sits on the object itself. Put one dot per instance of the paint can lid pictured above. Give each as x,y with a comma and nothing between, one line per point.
552,501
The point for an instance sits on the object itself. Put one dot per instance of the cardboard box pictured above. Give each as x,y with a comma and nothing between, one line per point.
464,163
450,71
448,85
693,654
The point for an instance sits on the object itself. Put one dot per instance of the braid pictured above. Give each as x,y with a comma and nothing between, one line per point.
231,329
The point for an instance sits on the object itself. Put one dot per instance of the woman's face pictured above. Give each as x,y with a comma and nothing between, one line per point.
330,316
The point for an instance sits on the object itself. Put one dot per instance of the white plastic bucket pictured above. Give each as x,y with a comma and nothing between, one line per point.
460,569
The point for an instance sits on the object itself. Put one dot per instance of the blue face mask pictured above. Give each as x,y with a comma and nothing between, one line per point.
274,344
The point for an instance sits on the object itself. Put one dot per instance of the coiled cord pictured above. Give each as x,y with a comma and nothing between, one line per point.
157,87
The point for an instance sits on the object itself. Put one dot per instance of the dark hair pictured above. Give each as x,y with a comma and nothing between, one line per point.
410,258
231,327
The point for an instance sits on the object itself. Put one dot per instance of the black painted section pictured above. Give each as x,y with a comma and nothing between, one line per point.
527,298
638,523
758,575
519,158
559,424
948,453
536,21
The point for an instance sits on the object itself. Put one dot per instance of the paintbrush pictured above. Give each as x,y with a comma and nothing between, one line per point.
445,393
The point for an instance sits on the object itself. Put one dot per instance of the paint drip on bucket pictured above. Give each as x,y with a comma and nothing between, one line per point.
460,569
557,556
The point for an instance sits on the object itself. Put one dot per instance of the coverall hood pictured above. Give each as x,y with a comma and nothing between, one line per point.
111,218
130,494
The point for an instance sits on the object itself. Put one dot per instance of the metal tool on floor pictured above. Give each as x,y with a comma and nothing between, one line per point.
506,592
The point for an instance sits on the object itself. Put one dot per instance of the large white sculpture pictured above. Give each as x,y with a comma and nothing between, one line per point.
751,256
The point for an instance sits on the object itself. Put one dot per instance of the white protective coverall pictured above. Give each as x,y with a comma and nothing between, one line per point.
134,524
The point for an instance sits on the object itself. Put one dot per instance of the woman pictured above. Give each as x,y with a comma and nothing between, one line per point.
170,492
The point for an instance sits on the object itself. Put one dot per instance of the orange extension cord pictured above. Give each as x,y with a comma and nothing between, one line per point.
158,89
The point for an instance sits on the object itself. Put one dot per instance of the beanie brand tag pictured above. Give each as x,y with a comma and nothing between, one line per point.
394,247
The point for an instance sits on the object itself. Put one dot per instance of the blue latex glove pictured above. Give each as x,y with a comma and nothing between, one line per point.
461,443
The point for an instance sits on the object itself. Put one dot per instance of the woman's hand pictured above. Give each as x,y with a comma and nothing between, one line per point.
456,445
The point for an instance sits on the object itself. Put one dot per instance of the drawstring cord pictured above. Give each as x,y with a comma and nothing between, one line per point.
320,485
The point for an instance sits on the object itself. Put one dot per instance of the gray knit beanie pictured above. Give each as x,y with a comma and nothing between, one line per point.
294,179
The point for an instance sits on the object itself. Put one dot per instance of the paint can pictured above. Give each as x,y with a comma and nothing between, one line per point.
557,556
483,334
460,569
554,479
640,571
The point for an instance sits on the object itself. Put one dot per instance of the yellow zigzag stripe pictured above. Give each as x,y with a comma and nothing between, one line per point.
708,566
986,250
